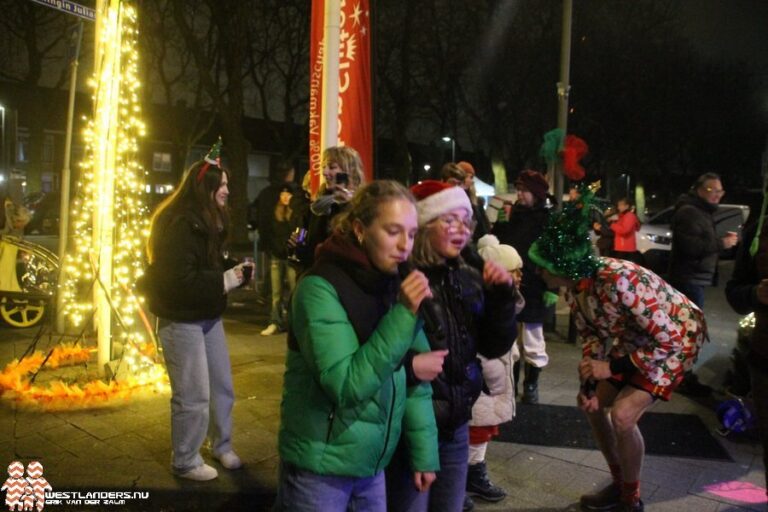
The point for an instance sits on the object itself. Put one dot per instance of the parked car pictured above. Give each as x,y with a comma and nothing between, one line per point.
654,240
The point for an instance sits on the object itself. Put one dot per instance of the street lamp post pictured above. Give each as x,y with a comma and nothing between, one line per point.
453,147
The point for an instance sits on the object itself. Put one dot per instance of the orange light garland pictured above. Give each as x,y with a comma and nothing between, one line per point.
15,381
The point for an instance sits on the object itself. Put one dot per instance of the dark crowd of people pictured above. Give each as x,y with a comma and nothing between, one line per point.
409,318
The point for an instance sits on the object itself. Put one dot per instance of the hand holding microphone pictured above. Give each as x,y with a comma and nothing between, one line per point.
419,300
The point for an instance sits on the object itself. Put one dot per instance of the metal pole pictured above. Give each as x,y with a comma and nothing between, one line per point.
76,38
453,149
563,87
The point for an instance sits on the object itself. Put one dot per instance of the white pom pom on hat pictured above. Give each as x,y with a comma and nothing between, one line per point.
507,256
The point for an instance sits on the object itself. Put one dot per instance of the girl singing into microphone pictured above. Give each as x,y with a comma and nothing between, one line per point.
477,313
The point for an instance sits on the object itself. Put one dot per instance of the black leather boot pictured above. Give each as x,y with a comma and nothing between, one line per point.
531,384
479,485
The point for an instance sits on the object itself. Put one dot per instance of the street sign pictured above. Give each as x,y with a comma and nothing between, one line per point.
70,8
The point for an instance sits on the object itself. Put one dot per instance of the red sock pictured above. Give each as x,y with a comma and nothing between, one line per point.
630,492
616,474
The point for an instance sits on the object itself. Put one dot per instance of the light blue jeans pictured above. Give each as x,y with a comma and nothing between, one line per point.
197,360
299,490
280,272
446,494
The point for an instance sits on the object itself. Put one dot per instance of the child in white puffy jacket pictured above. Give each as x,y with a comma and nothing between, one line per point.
498,405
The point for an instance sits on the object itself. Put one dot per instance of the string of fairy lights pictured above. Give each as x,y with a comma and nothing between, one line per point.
128,221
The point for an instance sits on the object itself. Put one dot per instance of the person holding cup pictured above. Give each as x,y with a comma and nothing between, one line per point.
186,286
285,221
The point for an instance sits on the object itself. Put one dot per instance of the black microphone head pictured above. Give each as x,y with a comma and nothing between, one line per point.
405,268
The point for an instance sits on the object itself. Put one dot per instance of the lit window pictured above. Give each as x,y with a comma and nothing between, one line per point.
161,162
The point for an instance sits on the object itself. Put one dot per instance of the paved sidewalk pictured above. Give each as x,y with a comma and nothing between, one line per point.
127,447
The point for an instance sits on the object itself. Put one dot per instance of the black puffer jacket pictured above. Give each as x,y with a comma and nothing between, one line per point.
182,285
475,319
695,244
741,291
523,228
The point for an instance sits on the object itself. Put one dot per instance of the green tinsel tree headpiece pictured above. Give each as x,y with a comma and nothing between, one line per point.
564,247
212,158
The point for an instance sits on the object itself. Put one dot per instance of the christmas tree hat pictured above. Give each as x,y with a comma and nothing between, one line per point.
212,158
564,247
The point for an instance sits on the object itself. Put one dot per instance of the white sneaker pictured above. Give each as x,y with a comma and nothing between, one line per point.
270,330
200,473
229,460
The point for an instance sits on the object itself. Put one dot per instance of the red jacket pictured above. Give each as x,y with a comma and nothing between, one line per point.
625,228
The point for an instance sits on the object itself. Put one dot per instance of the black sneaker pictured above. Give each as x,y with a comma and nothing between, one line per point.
480,486
469,505
608,498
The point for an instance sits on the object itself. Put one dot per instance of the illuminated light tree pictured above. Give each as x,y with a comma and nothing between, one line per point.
109,217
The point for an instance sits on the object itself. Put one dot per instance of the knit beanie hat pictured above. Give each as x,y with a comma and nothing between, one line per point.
505,255
564,247
467,168
534,182
436,198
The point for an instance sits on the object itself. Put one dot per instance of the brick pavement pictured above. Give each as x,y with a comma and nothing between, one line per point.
126,447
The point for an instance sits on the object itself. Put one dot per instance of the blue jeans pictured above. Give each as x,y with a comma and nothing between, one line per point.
694,292
446,493
280,271
299,490
201,386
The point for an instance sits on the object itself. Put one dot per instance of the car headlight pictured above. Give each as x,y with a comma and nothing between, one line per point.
660,239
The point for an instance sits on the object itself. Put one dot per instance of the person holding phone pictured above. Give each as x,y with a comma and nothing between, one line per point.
186,286
342,175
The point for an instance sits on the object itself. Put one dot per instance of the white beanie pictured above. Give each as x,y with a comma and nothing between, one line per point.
491,249
436,198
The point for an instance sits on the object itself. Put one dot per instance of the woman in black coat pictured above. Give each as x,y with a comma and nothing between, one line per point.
525,224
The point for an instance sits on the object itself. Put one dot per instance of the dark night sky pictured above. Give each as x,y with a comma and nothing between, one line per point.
731,30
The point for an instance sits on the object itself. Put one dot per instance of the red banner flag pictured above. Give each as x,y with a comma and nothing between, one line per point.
353,87
355,118
316,53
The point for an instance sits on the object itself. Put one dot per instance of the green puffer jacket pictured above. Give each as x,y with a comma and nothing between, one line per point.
345,403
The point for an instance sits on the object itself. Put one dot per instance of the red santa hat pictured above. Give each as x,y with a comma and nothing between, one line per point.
436,198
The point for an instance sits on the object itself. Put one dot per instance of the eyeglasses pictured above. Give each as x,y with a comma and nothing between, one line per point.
718,191
453,221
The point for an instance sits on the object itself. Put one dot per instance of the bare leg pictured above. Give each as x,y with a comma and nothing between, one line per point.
600,421
628,407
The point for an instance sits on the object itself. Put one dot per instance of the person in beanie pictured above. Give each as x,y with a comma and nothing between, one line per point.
525,224
639,335
497,405
475,313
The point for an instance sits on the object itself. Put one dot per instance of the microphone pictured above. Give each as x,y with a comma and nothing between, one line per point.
429,313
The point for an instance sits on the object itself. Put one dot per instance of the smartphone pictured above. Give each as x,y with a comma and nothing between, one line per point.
342,178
